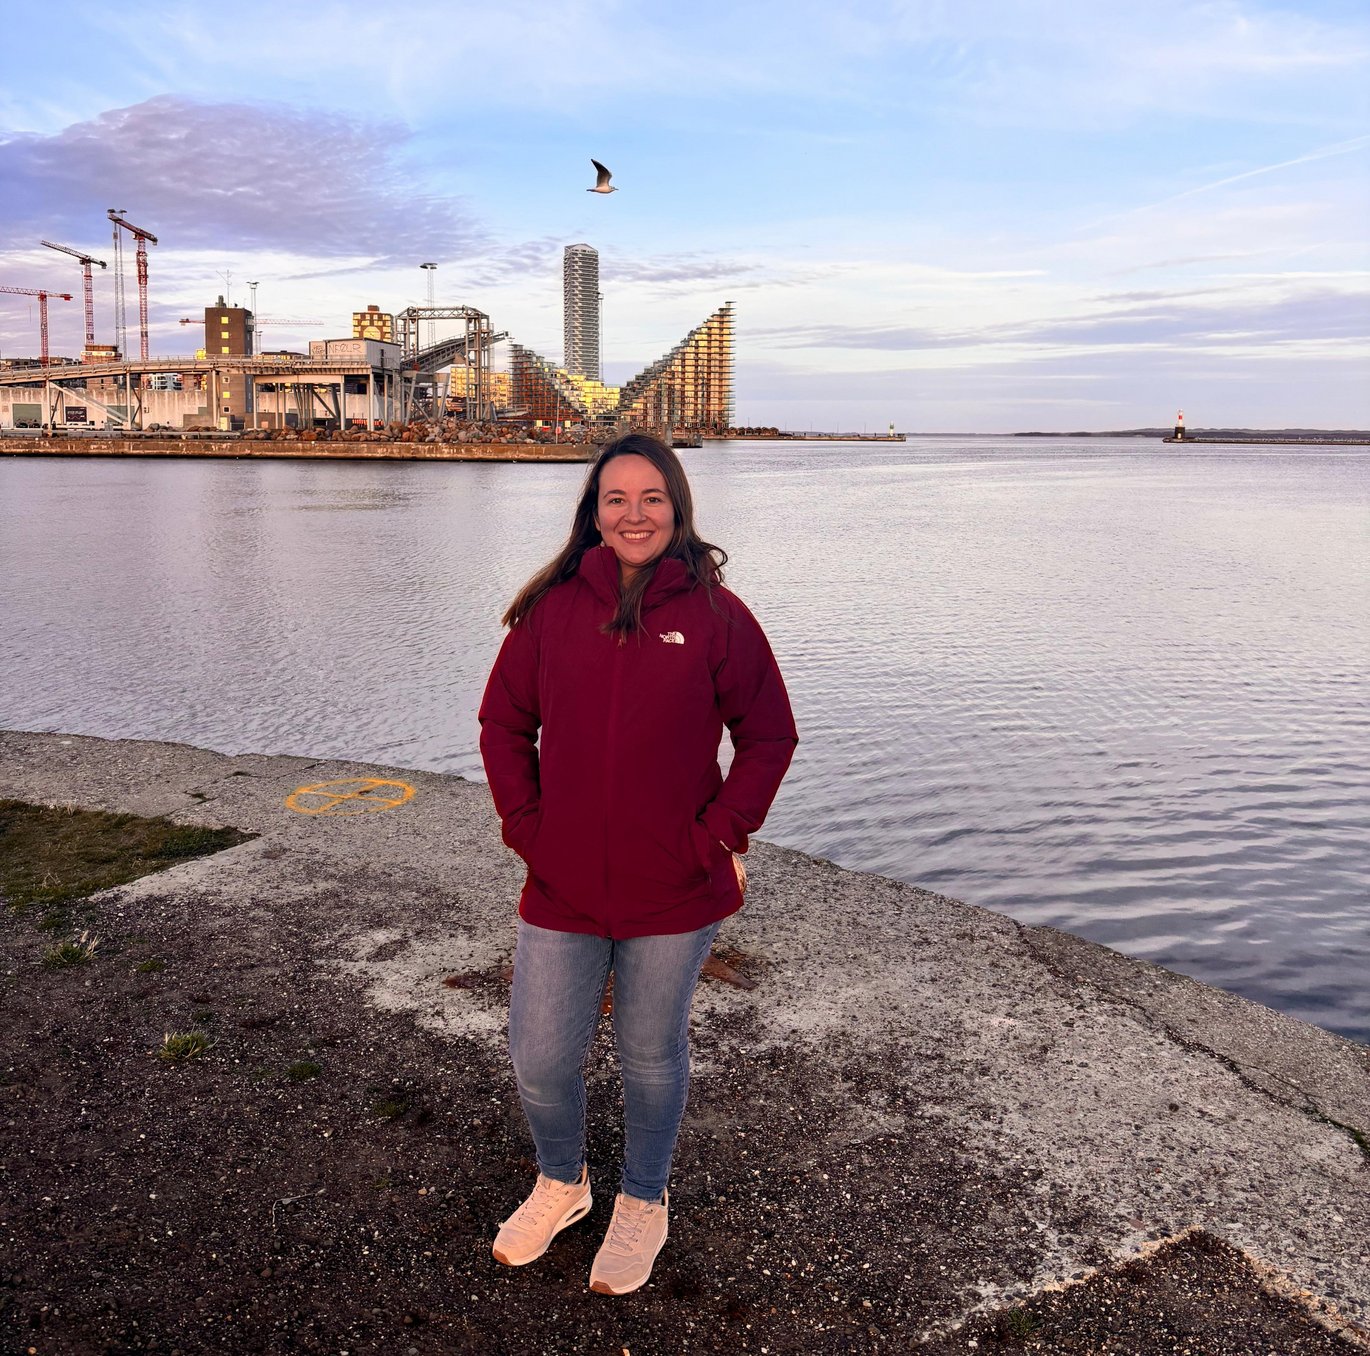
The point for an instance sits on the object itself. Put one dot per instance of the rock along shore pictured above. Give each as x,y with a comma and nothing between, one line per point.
925,1125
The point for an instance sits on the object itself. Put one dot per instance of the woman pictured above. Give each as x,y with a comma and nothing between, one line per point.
630,657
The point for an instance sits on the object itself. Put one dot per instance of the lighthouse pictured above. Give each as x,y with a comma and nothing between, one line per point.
1179,426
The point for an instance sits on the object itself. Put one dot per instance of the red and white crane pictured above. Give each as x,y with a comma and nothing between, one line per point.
116,215
42,296
85,261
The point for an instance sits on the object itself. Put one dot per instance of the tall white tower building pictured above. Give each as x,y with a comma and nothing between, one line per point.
580,299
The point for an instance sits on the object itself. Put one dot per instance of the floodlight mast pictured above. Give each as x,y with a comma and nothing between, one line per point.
431,270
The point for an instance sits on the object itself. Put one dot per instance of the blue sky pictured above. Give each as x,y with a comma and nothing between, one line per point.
966,217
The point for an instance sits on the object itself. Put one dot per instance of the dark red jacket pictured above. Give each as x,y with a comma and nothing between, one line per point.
621,811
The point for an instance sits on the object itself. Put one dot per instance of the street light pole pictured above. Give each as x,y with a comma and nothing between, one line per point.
431,269
252,333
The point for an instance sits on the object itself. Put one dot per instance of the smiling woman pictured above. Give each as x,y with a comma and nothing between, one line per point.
600,728
634,516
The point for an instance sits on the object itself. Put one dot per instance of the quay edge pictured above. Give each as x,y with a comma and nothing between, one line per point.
270,449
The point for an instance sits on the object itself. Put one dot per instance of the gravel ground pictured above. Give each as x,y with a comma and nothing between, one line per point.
327,1178
925,1124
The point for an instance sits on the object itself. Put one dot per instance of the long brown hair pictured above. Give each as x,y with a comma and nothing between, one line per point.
703,562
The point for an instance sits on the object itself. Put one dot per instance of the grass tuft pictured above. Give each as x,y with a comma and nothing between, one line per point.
179,1045
1016,1325
77,951
302,1070
152,966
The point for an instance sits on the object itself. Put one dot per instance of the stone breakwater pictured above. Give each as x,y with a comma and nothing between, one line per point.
916,1122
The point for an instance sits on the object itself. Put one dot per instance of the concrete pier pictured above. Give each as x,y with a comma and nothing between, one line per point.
924,1125
378,450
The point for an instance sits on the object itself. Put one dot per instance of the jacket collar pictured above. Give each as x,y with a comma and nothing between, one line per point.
599,569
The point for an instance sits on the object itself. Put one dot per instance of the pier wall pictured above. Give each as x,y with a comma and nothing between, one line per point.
375,450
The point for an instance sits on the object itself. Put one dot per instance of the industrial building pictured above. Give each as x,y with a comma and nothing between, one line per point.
392,368
373,323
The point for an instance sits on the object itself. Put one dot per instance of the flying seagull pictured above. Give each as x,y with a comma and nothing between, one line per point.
602,180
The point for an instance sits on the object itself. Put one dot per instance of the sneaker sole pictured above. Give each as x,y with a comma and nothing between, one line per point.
576,1213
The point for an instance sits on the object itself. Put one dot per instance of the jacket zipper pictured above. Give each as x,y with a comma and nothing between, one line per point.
611,746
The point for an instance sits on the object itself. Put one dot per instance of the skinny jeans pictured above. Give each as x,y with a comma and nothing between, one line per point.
559,980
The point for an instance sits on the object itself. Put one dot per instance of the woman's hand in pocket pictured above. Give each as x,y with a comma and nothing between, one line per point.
740,869
521,833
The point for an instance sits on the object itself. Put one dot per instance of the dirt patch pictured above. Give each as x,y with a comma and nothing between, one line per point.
1196,1294
325,1177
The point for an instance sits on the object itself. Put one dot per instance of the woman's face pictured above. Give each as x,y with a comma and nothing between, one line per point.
634,515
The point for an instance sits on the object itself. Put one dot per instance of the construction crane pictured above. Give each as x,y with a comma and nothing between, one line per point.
116,215
85,261
259,321
42,310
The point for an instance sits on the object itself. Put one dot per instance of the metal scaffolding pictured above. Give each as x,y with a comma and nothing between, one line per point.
472,347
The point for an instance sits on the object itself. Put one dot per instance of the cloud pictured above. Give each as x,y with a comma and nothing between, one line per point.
200,175
685,268
1308,316
888,338
1320,153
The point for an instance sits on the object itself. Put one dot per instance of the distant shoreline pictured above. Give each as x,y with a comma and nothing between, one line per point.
1313,437
1274,439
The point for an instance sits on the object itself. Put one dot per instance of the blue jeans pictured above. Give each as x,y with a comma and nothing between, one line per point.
554,1010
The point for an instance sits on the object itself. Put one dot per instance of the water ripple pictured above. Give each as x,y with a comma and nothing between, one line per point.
1110,686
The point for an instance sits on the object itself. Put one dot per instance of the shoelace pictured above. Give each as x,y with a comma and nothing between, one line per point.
544,1196
627,1224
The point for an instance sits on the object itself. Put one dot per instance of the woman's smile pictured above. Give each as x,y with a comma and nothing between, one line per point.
635,515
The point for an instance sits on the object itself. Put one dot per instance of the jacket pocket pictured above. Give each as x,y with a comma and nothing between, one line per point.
520,834
703,843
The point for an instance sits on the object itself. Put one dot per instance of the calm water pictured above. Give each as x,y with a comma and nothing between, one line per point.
1100,684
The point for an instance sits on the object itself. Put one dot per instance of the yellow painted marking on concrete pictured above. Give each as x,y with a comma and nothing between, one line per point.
352,796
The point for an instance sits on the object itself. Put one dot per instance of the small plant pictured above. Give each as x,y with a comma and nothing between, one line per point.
302,1070
390,1108
1017,1325
69,953
152,966
178,1045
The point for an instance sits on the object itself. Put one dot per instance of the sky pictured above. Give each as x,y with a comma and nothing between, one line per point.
985,216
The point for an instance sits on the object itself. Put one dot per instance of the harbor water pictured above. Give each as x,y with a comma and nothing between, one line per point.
1106,684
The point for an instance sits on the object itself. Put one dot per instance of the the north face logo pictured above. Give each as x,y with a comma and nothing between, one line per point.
673,638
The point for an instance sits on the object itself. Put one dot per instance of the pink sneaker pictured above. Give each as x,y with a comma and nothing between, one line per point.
529,1231
636,1234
